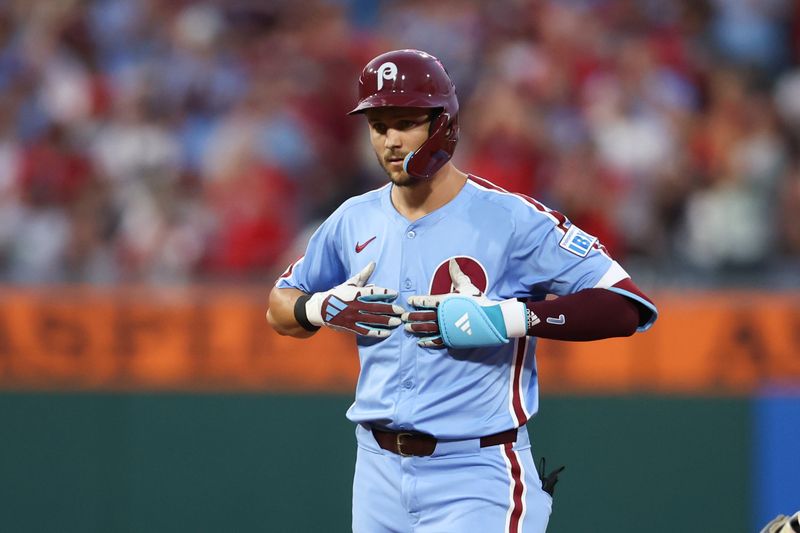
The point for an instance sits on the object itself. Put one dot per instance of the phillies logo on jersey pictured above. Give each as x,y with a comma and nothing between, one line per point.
387,71
442,284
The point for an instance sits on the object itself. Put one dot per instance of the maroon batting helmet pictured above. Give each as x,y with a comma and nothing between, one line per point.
412,78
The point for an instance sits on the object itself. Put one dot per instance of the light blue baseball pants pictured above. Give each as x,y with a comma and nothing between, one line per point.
461,488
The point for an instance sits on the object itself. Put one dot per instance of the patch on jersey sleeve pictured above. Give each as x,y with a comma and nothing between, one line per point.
577,241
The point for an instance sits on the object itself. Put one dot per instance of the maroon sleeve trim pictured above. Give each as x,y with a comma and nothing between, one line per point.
648,313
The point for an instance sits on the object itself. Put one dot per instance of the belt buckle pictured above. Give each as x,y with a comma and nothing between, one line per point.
399,442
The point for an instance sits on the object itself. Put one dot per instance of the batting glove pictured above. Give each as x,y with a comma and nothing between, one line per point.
465,318
783,524
352,306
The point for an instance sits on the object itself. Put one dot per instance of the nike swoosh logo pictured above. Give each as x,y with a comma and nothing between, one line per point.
560,321
360,247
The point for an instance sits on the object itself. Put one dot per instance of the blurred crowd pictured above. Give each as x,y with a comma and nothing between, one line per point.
166,141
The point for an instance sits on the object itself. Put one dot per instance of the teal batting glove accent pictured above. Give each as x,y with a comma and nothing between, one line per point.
464,323
465,318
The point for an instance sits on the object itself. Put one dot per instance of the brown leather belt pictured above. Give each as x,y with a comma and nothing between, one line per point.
408,443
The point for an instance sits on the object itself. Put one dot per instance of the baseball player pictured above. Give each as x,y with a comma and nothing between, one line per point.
465,266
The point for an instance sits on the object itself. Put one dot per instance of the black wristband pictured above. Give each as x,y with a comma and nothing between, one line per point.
300,313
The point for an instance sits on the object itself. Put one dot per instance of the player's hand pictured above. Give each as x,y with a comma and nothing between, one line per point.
465,318
355,306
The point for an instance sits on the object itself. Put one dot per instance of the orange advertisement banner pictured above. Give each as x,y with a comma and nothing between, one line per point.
82,338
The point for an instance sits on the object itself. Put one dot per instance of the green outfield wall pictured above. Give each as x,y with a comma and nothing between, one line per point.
240,463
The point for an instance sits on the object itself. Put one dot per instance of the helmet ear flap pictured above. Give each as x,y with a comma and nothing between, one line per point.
435,115
426,160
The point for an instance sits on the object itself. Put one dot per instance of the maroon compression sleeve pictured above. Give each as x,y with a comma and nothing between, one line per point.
588,315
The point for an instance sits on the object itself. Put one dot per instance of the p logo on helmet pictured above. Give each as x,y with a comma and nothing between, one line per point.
387,71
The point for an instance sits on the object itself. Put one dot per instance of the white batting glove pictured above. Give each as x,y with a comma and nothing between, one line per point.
465,318
352,306
783,524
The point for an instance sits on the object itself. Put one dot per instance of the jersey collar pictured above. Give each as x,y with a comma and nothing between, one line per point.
461,199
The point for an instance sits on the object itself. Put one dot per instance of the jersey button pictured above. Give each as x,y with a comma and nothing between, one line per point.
411,234
408,384
407,284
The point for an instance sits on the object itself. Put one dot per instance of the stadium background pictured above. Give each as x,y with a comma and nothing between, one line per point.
161,162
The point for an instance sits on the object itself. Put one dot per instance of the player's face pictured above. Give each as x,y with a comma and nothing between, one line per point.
394,132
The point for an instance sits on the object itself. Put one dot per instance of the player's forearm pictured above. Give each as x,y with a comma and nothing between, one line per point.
587,315
281,316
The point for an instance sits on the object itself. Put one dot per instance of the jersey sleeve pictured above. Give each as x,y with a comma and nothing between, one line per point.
321,267
553,256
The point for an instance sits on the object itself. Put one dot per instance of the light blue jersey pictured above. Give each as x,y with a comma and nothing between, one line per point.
508,244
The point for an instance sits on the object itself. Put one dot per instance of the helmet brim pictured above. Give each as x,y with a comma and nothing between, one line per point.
395,100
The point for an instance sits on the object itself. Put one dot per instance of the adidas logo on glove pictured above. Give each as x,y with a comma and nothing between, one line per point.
463,324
